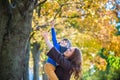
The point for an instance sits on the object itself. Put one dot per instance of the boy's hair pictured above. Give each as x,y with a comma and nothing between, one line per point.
68,41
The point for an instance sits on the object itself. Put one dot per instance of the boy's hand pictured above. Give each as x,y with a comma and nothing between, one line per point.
52,23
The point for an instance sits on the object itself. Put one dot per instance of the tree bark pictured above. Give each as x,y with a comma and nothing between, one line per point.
15,27
36,58
44,76
26,63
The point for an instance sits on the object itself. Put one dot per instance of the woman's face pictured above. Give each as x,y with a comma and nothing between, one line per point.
69,52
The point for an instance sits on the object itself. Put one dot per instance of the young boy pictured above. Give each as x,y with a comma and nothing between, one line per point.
62,46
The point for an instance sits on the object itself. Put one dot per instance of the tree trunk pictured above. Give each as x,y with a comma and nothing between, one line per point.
44,76
15,27
36,58
26,63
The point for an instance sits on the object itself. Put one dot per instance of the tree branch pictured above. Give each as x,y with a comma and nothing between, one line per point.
60,8
58,11
64,5
38,4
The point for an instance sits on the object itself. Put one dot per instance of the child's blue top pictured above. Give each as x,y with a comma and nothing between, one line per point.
56,45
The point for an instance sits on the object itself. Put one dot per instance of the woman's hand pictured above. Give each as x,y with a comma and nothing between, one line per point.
45,36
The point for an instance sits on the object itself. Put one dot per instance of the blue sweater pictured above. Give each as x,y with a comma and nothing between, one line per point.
55,44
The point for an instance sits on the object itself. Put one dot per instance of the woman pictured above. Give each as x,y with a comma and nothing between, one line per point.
61,46
69,63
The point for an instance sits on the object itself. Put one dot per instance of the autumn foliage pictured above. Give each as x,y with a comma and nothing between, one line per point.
89,26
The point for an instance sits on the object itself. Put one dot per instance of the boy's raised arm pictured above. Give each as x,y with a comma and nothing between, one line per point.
54,39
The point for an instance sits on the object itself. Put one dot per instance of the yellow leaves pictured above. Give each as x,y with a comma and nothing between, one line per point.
115,40
71,14
91,5
49,8
100,63
114,45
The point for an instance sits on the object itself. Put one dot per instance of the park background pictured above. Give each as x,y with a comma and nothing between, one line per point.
91,25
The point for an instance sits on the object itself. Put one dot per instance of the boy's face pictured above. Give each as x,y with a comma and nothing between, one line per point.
63,43
69,52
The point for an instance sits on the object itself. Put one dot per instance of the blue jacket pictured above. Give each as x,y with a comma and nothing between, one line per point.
55,44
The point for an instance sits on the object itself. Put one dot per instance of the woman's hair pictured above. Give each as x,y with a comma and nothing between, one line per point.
76,60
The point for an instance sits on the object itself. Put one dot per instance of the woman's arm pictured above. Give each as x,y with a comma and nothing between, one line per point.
45,36
60,59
